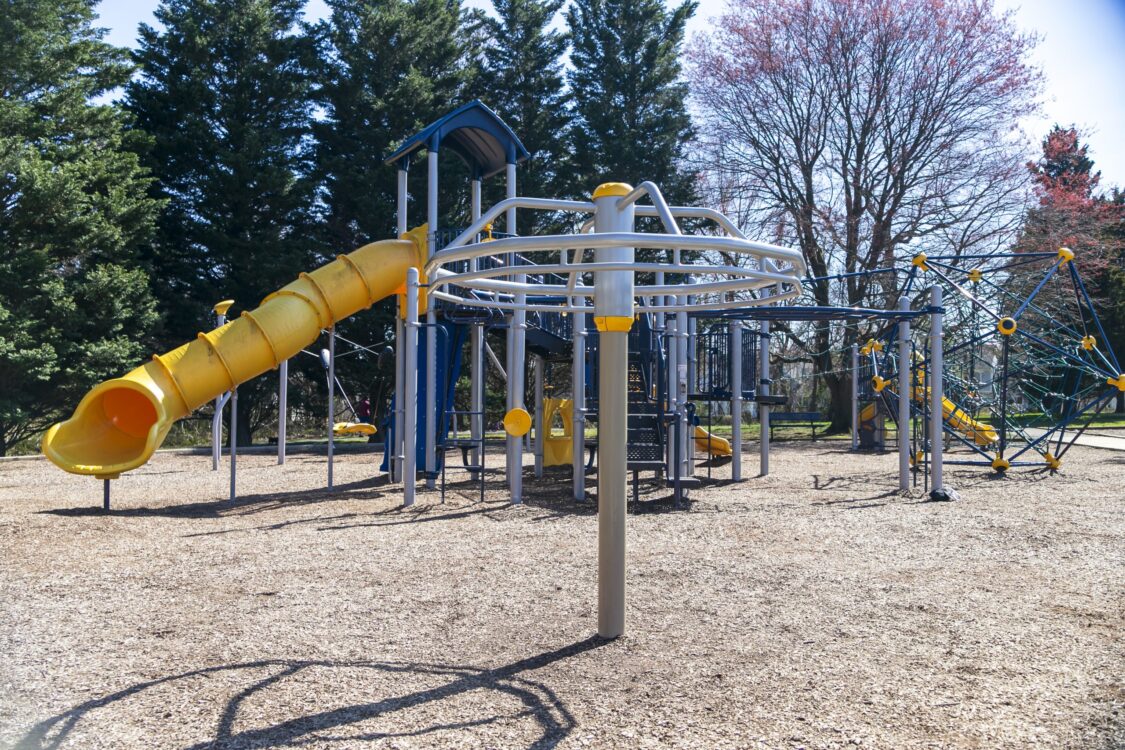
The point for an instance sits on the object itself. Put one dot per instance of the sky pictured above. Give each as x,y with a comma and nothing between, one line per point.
1081,52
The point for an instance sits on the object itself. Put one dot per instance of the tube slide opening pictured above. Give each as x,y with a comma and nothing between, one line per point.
113,430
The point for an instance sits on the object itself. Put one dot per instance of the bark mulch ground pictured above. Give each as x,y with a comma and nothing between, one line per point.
815,608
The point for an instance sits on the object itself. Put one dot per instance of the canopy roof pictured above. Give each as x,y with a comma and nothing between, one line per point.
475,133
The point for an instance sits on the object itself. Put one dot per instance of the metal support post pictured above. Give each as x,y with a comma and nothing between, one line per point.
282,408
431,396
476,353
217,419
233,441
936,373
904,397
395,463
105,494
410,389
736,400
539,426
476,389
683,363
401,223
331,400
578,402
855,396
613,314
764,390
516,339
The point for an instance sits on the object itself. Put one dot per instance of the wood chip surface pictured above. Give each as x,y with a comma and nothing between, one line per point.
814,608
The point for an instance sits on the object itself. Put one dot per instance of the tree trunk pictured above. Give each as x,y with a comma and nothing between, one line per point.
840,403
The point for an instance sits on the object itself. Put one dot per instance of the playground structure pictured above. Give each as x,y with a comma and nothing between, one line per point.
647,336
1027,374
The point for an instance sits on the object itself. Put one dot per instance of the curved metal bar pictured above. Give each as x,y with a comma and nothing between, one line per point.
539,204
570,308
759,279
616,239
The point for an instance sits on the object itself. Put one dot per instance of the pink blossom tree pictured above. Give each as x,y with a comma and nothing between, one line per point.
863,132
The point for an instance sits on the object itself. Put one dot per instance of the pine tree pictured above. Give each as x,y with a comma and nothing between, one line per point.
389,67
74,309
628,93
225,93
522,80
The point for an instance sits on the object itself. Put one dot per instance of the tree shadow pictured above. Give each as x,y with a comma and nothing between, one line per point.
539,702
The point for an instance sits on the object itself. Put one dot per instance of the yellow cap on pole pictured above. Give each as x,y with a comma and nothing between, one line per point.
221,308
517,422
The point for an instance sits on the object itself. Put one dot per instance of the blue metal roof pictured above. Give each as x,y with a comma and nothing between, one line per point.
475,133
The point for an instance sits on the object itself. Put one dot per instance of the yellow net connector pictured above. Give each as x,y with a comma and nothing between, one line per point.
488,232
1001,464
618,323
879,383
1089,343
876,346
1118,382
865,349
615,189
1065,256
1006,326
221,308
976,275
1052,463
919,260
916,459
517,422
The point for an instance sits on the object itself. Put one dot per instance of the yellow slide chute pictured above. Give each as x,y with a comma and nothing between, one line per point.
120,423
957,418
711,444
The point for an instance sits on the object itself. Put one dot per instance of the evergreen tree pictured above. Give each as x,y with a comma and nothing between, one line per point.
225,93
388,68
628,94
74,309
522,80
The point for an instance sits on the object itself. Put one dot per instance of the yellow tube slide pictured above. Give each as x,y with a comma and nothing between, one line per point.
120,423
979,432
711,444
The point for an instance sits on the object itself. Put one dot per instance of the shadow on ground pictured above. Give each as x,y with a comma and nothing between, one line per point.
536,700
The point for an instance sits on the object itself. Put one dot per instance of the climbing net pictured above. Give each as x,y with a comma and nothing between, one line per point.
1027,367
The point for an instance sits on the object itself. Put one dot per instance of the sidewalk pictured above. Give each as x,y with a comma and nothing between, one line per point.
1092,441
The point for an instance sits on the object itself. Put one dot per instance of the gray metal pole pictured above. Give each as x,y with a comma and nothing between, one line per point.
936,374
578,387
105,494
736,400
613,313
410,389
683,364
764,389
395,462
476,353
904,398
233,441
431,396
539,366
282,408
855,396
217,419
331,400
401,223
430,368
516,339
672,344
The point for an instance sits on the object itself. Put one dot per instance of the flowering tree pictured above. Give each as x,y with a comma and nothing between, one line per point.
863,131
1070,212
